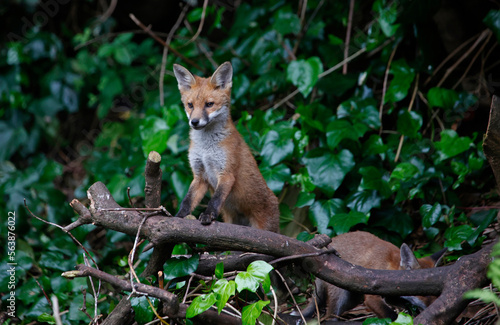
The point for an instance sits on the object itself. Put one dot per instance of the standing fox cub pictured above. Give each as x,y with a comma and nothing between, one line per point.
364,249
220,160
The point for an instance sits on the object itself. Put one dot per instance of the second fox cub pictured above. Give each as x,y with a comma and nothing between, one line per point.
220,160
364,249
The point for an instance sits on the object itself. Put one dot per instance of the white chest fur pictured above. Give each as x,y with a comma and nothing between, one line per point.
206,156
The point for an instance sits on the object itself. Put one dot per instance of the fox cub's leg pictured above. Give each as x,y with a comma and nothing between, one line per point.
224,185
196,192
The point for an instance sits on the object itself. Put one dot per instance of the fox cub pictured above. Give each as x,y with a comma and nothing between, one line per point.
220,160
364,249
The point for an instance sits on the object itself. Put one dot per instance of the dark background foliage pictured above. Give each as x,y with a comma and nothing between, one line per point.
80,103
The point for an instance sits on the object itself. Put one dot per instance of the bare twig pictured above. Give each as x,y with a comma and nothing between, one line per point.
165,52
44,293
451,55
321,75
484,34
474,58
55,310
348,35
291,295
83,309
401,139
109,11
159,40
200,26
293,257
384,87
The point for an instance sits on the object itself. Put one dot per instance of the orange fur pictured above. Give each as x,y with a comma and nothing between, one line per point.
364,249
220,159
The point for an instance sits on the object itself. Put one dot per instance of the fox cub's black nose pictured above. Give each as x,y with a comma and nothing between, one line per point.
195,122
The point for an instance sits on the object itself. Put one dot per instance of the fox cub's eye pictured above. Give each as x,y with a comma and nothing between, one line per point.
190,105
209,104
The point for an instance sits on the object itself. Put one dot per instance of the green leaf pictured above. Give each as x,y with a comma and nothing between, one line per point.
322,211
338,130
441,97
363,113
260,270
456,235
377,321
11,138
224,290
430,214
200,304
394,220
122,55
245,280
142,309
46,318
180,266
327,170
485,295
409,123
276,176
343,222
492,20
403,319
451,145
404,171
400,83
373,179
364,201
304,74
180,182
250,313
305,199
219,270
276,148
286,22
154,134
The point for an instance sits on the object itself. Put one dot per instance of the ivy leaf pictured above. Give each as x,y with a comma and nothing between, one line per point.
394,220
305,199
219,270
46,318
304,74
276,176
142,310
200,304
377,321
245,280
224,289
409,123
403,319
441,97
180,266
430,214
286,22
451,145
373,179
364,201
250,313
276,148
154,134
343,222
260,270
322,211
338,130
404,171
456,235
492,20
400,83
327,170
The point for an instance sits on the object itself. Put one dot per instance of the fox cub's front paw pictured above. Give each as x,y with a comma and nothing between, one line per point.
207,218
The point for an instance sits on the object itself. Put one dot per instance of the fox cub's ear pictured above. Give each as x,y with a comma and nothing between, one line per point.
223,76
408,259
185,79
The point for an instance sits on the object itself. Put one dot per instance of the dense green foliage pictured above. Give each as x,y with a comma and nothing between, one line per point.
85,107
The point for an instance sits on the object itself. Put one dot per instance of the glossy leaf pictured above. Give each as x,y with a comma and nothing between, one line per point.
179,267
200,304
224,289
327,170
321,212
343,222
276,148
251,312
304,74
